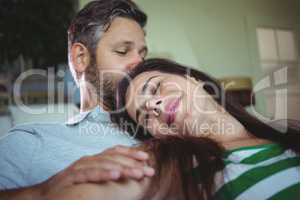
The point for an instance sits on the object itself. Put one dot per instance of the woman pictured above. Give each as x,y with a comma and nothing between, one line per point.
169,99
184,121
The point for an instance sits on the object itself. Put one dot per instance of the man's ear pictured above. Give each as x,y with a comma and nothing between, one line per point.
80,57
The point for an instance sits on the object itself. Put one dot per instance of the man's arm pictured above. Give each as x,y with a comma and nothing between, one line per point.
24,193
110,165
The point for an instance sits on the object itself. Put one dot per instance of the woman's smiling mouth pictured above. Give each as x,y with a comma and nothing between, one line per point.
171,109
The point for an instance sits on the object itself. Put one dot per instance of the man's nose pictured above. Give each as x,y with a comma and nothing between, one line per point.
155,105
134,61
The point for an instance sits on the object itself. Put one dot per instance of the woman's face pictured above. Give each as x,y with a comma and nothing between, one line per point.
162,102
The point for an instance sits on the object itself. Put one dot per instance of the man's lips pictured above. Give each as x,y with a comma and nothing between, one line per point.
171,109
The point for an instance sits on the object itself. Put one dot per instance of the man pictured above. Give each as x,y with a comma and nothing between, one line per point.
106,38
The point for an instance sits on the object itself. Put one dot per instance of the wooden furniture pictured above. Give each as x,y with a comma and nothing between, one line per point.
238,89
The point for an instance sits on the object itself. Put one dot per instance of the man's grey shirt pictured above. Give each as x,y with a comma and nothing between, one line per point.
31,153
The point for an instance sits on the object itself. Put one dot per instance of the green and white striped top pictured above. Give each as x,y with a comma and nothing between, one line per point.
260,172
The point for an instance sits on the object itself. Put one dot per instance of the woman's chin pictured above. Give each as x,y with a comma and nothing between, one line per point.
169,132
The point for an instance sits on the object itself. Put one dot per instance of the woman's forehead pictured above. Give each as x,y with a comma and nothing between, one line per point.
137,83
145,75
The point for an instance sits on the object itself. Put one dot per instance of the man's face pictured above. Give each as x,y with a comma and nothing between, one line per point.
121,47
119,50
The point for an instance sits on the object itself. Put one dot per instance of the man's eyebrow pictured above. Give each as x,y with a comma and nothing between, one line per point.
144,88
127,43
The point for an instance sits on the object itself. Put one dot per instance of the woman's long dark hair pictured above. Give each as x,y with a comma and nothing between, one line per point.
290,139
185,167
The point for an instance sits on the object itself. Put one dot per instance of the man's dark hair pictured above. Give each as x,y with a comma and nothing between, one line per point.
97,16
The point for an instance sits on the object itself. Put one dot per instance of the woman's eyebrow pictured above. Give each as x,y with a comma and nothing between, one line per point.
144,88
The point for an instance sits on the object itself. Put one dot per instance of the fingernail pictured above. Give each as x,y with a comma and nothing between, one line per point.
142,155
115,174
149,171
137,173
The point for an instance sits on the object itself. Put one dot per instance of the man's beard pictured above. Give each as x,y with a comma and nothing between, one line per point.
104,85
108,93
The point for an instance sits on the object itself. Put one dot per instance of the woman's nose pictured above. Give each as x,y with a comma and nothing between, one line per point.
155,106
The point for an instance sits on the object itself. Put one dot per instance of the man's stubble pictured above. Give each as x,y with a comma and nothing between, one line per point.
103,83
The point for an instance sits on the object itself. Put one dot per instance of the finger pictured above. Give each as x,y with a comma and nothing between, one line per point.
126,172
148,171
124,160
98,172
130,152
138,173
132,173
129,167
132,164
95,175
99,163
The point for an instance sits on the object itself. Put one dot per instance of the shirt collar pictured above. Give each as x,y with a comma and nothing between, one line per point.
97,113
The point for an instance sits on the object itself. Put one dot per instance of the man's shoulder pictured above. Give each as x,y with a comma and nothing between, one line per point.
27,136
33,128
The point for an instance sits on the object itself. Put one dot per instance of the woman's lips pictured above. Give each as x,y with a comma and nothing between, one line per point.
171,109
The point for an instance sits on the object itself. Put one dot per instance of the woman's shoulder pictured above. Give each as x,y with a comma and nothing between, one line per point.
258,153
255,168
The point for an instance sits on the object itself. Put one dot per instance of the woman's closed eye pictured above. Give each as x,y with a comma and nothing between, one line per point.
155,89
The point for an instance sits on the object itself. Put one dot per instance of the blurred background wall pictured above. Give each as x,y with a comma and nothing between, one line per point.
35,85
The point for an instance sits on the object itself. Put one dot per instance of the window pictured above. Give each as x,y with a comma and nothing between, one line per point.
277,49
